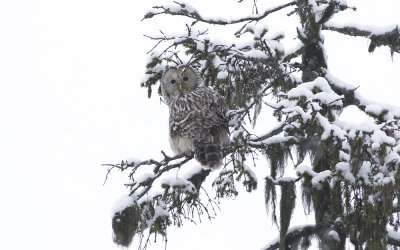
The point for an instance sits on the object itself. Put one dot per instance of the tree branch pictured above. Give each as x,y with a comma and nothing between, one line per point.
142,186
293,235
393,238
347,30
390,38
188,11
283,180
396,208
351,97
277,130
296,53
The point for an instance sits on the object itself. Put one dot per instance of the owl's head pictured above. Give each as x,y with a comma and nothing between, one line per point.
178,81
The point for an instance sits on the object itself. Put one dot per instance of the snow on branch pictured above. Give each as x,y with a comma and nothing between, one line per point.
388,36
383,112
183,9
394,238
327,9
225,65
157,199
140,186
294,235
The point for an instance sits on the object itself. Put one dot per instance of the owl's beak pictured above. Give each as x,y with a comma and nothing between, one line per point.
180,87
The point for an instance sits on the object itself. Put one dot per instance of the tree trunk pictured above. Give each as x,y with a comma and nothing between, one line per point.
314,65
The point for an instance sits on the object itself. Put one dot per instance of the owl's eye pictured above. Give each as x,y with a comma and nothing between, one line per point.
185,78
173,81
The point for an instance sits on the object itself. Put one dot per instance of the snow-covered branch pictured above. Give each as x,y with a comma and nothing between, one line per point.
294,235
378,37
350,95
183,9
159,167
394,238
156,199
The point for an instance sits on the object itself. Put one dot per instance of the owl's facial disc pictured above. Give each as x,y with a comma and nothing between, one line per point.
179,81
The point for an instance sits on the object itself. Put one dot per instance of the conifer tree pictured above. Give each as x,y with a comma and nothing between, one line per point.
353,180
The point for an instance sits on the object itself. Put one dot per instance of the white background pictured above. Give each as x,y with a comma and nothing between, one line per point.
70,100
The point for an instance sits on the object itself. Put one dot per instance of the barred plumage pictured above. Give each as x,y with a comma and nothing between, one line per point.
196,116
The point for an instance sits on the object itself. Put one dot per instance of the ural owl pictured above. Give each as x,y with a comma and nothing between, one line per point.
197,121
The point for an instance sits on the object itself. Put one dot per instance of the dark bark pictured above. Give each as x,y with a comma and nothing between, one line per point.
313,58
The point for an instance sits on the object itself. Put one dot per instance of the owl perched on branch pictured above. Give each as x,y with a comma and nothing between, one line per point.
197,121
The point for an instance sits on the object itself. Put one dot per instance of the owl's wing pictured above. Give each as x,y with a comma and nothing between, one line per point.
199,116
219,107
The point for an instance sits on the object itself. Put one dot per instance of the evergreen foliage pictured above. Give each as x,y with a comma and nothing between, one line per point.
353,182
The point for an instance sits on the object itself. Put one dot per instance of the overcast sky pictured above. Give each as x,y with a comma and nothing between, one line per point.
70,100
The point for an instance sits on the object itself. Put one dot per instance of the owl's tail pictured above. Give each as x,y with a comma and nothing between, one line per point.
208,154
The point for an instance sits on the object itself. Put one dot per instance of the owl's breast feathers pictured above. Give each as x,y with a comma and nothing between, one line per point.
199,115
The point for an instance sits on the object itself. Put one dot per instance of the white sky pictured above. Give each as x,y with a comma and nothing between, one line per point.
70,100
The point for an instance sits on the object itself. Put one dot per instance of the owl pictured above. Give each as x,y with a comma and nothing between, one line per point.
197,120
